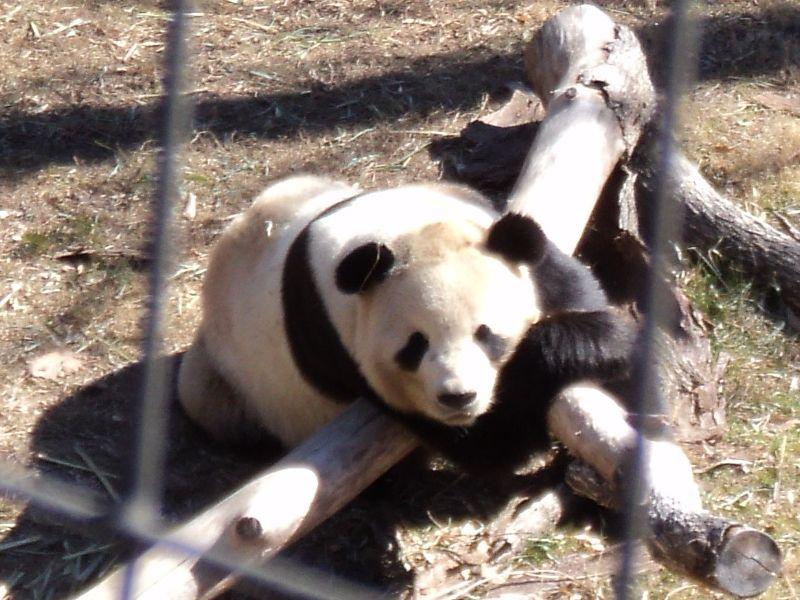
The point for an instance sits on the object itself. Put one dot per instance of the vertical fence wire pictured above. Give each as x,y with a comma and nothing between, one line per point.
666,221
142,507
141,512
147,490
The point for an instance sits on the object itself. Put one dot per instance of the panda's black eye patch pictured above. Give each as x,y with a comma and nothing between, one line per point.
410,356
495,345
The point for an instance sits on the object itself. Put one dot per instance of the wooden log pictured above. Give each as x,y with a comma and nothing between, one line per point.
715,225
721,554
592,78
487,156
595,428
278,506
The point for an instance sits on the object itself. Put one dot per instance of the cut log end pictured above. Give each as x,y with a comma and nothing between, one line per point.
747,562
719,553
723,555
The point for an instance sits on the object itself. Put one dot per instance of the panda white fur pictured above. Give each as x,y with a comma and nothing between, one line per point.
419,298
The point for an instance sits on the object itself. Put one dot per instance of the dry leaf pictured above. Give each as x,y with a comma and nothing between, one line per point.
54,364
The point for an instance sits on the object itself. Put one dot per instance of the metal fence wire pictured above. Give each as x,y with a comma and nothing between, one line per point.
138,518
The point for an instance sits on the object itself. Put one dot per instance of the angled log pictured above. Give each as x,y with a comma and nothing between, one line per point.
251,525
592,79
721,554
716,226
487,156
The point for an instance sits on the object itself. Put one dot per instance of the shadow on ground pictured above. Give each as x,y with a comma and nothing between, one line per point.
743,45
87,439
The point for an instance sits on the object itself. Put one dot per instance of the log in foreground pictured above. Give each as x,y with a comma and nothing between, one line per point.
721,554
251,525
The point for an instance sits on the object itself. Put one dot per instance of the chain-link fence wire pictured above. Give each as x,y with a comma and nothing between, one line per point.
139,517
647,395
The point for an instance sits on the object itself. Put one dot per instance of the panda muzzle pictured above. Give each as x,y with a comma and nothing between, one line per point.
459,400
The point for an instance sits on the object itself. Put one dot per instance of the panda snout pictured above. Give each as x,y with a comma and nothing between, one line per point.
458,400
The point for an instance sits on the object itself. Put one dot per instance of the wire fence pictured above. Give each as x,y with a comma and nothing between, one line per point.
139,517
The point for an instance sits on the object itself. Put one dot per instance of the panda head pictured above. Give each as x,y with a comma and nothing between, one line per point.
440,312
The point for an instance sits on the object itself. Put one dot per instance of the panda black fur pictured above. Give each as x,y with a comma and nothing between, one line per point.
313,297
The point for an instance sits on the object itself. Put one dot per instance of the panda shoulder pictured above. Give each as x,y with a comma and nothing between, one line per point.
464,194
565,283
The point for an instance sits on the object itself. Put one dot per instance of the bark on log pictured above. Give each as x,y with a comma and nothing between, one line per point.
591,77
595,428
487,156
689,376
713,224
251,525
719,553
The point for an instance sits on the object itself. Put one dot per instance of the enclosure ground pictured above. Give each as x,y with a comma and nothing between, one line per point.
355,89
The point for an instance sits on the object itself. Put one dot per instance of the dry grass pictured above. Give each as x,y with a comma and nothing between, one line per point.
356,89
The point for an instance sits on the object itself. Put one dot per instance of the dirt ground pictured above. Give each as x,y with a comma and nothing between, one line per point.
357,89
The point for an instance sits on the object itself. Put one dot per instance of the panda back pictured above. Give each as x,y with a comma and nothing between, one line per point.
243,320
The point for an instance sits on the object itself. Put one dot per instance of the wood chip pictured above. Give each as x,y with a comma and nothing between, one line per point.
775,101
190,211
54,364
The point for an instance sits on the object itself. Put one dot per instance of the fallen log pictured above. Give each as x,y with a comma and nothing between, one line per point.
716,227
592,79
486,156
722,554
289,499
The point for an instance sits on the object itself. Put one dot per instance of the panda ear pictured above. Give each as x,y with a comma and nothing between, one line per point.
517,238
364,267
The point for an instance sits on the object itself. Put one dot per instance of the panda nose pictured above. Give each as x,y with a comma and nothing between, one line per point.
457,400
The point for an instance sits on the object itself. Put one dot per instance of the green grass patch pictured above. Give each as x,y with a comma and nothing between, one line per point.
760,386
73,231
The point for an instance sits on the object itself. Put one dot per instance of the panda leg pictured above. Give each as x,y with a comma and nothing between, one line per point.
211,402
573,346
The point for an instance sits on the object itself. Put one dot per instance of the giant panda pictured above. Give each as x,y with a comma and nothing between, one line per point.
460,322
